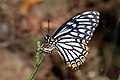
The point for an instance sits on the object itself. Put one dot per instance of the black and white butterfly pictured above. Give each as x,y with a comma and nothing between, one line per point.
72,37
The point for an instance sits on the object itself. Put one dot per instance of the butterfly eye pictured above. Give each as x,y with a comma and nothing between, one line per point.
45,39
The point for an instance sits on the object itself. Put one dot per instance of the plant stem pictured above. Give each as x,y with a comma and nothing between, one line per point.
36,68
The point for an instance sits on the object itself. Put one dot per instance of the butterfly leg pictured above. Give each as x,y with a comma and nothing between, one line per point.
47,49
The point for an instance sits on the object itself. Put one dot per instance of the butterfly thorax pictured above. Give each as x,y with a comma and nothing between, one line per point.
49,44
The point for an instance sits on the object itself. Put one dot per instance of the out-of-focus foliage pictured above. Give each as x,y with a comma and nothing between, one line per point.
27,4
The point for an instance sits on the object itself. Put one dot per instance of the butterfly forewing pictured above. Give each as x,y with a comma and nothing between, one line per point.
72,37
81,25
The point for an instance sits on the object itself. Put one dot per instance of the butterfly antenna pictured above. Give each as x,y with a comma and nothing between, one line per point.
48,27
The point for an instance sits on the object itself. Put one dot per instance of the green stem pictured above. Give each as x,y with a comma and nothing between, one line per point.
36,68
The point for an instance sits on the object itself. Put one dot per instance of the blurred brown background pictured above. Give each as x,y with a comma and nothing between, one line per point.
23,22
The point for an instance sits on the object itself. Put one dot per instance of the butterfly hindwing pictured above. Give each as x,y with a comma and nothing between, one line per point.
73,52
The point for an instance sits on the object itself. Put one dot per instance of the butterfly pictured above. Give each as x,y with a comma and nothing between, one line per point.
71,39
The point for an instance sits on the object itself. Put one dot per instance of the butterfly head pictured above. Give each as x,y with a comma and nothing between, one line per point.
48,44
47,39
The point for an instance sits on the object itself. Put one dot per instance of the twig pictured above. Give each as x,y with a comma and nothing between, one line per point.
38,61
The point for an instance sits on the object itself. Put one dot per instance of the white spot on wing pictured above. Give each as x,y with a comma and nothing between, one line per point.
69,23
65,36
86,12
98,21
81,26
84,52
94,13
83,46
93,29
90,16
77,60
74,25
98,17
63,29
87,41
82,30
94,20
78,40
74,33
98,13
87,37
77,16
82,19
81,35
78,49
75,30
89,32
65,46
62,32
73,44
94,24
66,40
85,23
89,27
